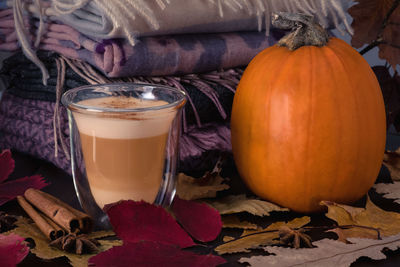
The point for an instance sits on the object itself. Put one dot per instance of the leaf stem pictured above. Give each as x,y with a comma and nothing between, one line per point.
348,226
371,46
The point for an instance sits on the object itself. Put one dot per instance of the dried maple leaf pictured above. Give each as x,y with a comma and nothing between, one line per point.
392,161
42,249
327,253
200,220
231,221
391,191
368,18
389,49
368,219
240,203
11,189
255,239
13,250
190,188
140,221
147,253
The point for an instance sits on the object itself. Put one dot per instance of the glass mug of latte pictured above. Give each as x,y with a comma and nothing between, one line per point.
124,143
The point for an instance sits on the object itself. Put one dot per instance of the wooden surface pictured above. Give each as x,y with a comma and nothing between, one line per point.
62,187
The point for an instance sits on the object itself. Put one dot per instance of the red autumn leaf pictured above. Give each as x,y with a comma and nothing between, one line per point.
13,250
200,220
11,189
369,16
6,165
149,254
140,221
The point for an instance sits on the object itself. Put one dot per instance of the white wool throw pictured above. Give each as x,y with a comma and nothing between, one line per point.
130,19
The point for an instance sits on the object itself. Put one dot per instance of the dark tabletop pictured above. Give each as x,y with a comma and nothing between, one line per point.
62,187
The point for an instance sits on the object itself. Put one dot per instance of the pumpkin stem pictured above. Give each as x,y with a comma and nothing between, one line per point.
305,31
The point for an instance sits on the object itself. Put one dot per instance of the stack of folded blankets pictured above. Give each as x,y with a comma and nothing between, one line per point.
199,46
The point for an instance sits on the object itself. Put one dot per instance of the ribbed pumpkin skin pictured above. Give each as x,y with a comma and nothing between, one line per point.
309,125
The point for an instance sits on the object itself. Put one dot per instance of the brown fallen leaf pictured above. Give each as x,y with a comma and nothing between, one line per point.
392,161
358,232
342,237
190,188
231,221
391,191
42,249
366,220
251,239
240,203
327,253
368,17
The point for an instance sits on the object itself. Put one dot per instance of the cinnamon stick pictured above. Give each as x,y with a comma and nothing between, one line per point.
59,231
85,221
48,228
64,215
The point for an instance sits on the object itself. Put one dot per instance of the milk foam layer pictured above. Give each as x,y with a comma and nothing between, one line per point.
142,124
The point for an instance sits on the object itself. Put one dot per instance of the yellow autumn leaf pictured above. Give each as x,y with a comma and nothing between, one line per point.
207,186
228,238
190,188
42,249
231,221
251,239
240,203
366,218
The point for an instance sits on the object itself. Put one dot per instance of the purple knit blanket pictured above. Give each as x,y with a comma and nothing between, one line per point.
151,56
27,126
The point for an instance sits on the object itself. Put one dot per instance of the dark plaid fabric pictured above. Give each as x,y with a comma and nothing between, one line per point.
23,79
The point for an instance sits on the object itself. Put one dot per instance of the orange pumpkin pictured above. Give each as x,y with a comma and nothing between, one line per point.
308,125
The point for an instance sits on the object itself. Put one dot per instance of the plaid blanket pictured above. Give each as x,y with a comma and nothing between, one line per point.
27,125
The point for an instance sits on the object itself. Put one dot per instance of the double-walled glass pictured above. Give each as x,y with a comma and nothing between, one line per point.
124,143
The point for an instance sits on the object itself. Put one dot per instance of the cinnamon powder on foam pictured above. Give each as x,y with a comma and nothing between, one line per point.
121,102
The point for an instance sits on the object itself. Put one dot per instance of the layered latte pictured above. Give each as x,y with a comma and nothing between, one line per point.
124,153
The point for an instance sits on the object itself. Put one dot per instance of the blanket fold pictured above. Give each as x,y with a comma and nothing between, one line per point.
211,94
151,56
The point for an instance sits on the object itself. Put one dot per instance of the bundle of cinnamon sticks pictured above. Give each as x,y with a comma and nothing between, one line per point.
52,216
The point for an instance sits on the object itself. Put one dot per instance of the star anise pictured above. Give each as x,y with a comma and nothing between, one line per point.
294,238
6,221
78,244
